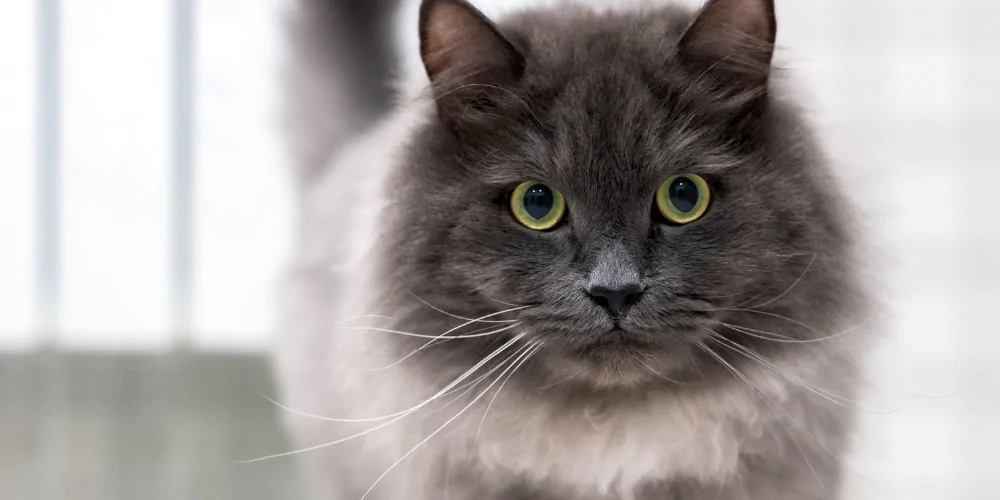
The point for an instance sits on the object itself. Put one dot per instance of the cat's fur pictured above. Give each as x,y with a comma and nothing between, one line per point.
410,228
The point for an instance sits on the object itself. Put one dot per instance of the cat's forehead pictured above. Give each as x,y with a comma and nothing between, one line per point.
608,131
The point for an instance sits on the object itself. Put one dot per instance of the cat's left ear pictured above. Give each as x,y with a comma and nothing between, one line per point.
466,57
733,41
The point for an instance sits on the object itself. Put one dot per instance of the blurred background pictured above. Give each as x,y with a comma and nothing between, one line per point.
145,213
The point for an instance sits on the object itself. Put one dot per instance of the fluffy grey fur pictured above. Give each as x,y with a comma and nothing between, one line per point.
731,377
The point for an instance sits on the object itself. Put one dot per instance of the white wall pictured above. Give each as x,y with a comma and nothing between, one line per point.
115,214
17,187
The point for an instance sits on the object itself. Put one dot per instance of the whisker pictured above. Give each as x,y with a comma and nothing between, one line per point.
797,424
430,342
432,337
517,364
537,346
826,394
920,394
420,335
741,304
481,318
797,281
766,400
660,375
481,292
467,386
355,318
446,313
745,302
467,323
786,257
482,332
449,387
787,340
774,315
761,334
724,296
562,380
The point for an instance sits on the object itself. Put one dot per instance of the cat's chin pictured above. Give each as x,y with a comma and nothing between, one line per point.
620,362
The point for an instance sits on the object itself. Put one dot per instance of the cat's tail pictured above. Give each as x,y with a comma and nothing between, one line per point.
340,58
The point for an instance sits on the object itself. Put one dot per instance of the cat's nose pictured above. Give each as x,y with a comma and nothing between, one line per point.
616,299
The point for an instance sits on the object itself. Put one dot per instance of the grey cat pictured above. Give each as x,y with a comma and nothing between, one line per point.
600,257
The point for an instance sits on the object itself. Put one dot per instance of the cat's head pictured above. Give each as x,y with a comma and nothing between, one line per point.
635,180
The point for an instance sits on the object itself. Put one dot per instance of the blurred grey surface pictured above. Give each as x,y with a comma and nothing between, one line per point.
79,426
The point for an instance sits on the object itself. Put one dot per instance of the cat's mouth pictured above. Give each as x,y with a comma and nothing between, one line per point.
619,354
617,338
601,343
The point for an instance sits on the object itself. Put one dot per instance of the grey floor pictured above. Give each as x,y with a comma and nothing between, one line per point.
139,427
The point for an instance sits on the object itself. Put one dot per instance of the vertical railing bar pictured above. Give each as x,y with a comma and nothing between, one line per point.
182,129
48,273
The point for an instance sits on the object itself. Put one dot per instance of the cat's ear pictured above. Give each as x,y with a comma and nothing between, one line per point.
467,59
733,41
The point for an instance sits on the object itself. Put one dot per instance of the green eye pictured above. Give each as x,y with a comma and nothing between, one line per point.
683,199
537,205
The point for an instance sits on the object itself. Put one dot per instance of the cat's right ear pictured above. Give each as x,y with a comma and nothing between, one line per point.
469,62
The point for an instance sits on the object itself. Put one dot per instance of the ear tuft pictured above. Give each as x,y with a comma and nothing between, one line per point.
466,57
733,40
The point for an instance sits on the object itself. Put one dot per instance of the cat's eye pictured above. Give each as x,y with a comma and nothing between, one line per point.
683,199
537,205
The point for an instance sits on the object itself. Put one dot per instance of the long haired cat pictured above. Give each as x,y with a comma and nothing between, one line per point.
599,257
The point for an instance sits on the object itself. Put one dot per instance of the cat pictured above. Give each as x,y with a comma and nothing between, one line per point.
600,256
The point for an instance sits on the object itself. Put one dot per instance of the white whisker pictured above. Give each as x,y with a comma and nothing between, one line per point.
517,363
797,281
774,315
429,343
797,424
481,292
660,375
767,401
366,316
537,346
433,339
422,336
761,334
920,394
480,319
485,332
449,387
446,313
788,340
467,386
562,380
826,394
787,257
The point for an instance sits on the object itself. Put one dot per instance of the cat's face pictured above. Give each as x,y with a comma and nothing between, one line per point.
618,287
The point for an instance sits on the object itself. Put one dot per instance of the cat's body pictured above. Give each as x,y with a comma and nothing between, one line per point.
580,414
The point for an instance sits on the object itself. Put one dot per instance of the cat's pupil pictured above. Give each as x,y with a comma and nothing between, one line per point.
684,195
538,201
